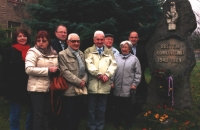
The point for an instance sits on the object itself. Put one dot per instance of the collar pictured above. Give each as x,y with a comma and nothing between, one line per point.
61,42
125,56
99,48
134,46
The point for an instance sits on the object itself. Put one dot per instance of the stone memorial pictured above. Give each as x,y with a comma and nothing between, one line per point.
171,57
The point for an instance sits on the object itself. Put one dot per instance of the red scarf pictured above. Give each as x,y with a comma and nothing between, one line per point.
22,48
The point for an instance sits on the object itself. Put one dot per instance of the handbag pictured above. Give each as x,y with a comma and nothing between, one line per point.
133,97
81,91
58,83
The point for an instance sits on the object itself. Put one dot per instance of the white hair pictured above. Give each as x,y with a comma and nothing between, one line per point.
72,34
98,32
130,45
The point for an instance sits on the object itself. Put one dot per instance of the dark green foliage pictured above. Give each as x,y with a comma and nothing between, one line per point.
4,40
84,17
196,40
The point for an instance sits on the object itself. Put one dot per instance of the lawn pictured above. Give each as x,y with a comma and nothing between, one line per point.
182,120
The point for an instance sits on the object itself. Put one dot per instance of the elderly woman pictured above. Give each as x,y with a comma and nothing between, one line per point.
127,77
41,64
14,77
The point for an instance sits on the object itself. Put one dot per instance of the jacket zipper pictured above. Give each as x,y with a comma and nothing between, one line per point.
122,78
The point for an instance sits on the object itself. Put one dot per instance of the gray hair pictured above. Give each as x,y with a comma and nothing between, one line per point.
98,32
130,45
72,34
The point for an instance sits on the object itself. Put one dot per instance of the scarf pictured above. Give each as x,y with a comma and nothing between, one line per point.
22,48
48,51
80,62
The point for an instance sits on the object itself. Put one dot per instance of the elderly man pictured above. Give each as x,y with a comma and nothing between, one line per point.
109,39
101,66
72,66
59,43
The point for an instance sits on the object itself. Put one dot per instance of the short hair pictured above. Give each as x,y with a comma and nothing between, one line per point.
17,32
132,32
98,32
59,26
130,45
72,34
43,34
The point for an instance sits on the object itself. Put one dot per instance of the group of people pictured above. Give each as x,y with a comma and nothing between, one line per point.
100,68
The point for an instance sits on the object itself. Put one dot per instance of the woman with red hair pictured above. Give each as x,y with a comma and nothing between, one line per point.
41,64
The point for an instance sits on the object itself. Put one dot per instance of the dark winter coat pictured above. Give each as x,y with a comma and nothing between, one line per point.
13,77
57,46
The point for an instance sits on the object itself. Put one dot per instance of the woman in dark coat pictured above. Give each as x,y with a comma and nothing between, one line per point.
14,77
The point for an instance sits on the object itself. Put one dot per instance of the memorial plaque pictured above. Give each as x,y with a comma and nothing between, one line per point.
171,54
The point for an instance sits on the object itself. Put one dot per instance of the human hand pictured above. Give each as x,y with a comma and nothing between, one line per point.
133,87
112,85
99,76
53,69
82,84
104,78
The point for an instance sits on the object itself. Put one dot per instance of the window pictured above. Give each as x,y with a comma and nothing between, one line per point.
13,25
23,1
17,1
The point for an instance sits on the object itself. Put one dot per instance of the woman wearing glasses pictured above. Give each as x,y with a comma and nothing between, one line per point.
41,64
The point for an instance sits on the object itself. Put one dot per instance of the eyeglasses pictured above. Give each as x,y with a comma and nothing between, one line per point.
61,32
74,41
43,41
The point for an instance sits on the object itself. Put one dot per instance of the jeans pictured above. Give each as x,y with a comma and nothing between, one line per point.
15,117
96,111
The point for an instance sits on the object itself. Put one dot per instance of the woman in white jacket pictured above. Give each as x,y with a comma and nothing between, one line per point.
41,64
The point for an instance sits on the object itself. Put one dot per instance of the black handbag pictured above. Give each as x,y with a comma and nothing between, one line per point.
133,96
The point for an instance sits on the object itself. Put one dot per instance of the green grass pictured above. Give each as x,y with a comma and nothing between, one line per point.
193,116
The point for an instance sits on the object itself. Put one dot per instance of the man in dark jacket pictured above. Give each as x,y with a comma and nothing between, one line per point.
139,51
59,43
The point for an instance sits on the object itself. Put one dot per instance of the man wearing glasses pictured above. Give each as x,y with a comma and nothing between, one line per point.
101,65
59,43
72,65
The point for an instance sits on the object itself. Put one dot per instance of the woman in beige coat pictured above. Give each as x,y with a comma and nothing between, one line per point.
41,64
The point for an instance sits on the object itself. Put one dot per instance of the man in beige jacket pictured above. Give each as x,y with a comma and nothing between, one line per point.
72,65
101,65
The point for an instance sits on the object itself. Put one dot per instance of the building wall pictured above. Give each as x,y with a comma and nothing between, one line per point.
8,12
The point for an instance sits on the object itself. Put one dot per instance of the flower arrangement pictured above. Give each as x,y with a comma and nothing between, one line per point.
165,83
161,73
159,117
